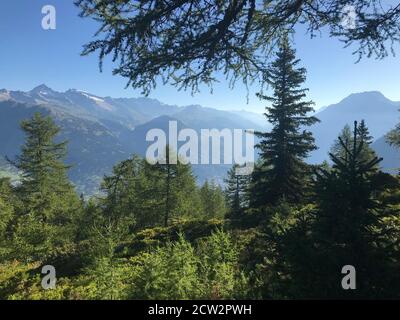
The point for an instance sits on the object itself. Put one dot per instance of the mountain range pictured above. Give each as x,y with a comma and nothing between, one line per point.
102,130
380,115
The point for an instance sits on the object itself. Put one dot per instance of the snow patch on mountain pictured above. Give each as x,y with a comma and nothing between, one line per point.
100,102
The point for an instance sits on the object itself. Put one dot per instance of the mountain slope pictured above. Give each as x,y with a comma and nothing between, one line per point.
379,113
198,117
92,148
258,119
102,130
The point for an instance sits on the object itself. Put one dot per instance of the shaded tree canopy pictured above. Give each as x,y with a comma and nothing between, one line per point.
185,42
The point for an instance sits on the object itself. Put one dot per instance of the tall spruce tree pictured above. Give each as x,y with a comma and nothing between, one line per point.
367,152
350,227
285,147
351,174
352,221
237,192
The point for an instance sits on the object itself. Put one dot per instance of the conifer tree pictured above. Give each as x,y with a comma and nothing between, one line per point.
177,186
350,225
346,137
393,137
351,222
50,206
237,192
351,177
146,195
212,200
41,164
7,214
41,160
285,147
121,188
364,136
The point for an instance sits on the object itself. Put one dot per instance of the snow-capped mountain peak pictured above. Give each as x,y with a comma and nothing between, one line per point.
42,89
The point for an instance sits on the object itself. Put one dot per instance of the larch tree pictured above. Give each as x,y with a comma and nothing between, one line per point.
176,186
50,205
186,42
212,200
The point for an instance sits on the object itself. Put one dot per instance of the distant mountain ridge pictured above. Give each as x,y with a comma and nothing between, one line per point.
104,130
127,111
380,114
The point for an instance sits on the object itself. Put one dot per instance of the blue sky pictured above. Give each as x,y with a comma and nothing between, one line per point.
30,56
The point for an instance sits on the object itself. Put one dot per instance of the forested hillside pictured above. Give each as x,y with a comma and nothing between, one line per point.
153,232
